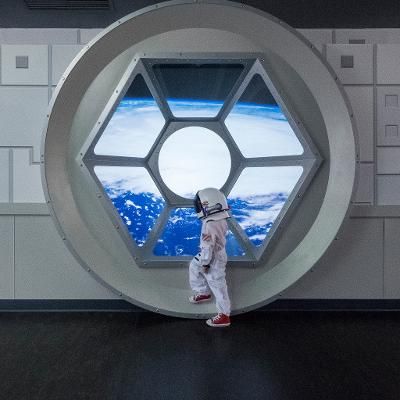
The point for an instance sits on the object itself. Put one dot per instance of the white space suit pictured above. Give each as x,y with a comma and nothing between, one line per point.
212,254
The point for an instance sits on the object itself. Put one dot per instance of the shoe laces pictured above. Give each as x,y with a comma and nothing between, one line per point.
218,317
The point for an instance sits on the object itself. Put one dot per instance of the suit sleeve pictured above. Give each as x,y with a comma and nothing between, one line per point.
208,238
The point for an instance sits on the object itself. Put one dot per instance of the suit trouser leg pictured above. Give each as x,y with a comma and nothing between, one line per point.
217,283
197,280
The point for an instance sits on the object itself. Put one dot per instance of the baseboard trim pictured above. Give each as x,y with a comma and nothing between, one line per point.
123,306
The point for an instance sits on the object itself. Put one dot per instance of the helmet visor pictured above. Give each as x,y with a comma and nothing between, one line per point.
197,204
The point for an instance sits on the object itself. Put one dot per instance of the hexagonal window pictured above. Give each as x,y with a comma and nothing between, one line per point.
259,196
196,89
134,125
181,236
174,126
258,125
135,196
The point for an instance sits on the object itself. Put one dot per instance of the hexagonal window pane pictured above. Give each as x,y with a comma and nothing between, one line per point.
135,196
135,124
259,196
233,248
258,125
181,236
196,90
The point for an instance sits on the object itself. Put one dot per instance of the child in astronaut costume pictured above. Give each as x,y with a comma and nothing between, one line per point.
207,269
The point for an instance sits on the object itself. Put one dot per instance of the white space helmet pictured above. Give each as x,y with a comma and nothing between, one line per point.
211,203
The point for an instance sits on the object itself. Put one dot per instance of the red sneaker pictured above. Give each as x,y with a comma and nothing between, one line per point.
199,298
219,321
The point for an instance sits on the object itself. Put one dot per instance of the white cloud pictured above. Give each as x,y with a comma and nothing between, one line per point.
194,158
194,108
198,158
126,179
132,130
262,133
265,181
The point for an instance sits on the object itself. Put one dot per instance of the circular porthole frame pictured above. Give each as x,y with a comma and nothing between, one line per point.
154,292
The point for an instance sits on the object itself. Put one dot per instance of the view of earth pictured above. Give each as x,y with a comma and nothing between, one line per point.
256,200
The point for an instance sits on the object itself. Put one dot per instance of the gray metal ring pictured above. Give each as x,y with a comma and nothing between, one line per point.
78,218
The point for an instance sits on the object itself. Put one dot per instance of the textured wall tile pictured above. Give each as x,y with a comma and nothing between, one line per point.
362,71
392,257
62,55
22,116
388,64
36,72
365,188
349,36
88,34
4,176
352,268
388,160
27,184
388,190
6,257
44,267
318,37
388,116
38,36
362,103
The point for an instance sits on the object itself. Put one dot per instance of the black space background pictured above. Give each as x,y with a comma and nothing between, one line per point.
203,81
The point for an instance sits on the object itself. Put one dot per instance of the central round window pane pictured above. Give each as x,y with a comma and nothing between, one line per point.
194,158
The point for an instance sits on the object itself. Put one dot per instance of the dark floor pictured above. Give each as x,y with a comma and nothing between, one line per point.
264,355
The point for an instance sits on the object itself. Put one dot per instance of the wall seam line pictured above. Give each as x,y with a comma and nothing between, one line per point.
375,125
1,59
358,84
10,175
49,72
383,258
14,220
25,86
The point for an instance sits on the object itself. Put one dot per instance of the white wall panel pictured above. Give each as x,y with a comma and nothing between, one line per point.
388,116
362,103
352,268
392,258
44,267
6,257
388,190
22,114
88,34
361,72
38,36
62,55
365,188
4,176
37,71
388,64
318,37
348,36
27,184
388,160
